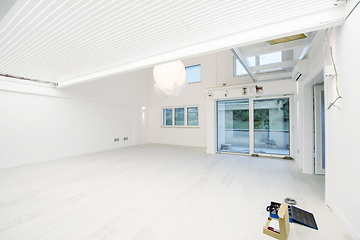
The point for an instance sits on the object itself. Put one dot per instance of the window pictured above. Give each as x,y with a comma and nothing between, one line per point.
264,59
167,117
274,57
270,131
192,116
193,73
269,58
239,69
180,116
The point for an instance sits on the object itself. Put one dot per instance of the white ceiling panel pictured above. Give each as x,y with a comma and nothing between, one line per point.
63,40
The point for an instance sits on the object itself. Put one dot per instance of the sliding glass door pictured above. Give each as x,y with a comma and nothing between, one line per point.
260,126
233,126
271,126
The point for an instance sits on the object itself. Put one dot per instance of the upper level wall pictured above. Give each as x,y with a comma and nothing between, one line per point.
225,70
216,70
270,89
194,95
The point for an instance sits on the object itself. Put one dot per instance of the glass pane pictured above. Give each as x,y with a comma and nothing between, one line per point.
233,126
192,116
251,61
193,73
270,58
179,116
167,115
239,69
271,126
323,129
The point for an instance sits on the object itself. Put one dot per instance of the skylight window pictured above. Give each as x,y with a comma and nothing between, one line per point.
269,58
239,69
264,59
252,61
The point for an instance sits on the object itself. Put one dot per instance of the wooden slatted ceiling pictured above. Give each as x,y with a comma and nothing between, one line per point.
58,40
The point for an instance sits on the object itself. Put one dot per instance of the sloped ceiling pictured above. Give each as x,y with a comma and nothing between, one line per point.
74,41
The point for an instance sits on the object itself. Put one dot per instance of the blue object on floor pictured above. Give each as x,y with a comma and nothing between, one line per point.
295,215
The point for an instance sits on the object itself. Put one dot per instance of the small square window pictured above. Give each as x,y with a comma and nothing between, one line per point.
179,116
193,73
167,117
192,116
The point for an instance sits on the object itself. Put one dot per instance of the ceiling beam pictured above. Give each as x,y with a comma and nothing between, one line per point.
244,62
274,77
270,66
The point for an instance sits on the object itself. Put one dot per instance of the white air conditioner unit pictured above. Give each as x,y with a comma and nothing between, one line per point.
301,70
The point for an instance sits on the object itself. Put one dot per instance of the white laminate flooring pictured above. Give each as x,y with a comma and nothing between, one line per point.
157,192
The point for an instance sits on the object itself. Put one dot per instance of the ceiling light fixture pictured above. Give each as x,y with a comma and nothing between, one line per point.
170,78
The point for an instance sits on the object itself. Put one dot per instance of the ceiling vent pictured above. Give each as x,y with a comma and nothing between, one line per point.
287,39
301,70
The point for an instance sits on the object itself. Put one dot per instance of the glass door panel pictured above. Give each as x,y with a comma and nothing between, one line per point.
233,126
271,126
319,133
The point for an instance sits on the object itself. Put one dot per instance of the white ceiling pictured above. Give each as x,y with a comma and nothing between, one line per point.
73,41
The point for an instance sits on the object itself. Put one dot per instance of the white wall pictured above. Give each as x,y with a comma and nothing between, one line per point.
304,136
343,128
216,70
39,124
194,95
276,88
225,70
341,122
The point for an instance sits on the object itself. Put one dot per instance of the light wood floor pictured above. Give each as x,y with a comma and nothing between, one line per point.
157,192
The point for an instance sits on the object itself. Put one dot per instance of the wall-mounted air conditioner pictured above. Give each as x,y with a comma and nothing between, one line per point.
301,70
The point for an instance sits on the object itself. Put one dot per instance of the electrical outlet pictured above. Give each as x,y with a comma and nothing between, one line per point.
126,138
116,139
244,91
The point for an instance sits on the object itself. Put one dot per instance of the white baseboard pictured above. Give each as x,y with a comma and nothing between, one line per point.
18,164
354,235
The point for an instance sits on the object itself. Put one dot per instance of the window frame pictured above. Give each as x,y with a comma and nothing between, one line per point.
257,63
174,116
251,125
185,117
162,117
193,65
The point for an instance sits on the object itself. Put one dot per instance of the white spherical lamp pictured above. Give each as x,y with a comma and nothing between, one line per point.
170,78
